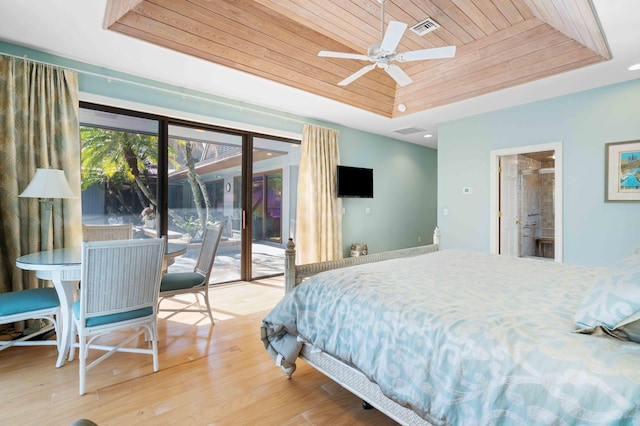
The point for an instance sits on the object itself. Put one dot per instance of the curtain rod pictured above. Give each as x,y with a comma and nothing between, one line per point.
148,86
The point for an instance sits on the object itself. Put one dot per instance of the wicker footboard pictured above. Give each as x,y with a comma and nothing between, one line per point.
358,384
295,274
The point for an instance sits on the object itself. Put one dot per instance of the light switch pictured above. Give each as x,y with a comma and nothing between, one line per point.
466,190
445,212
367,210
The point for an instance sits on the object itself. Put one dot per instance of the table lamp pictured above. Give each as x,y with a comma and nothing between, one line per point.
46,185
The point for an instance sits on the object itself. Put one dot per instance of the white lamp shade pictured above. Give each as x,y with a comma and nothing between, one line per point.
48,183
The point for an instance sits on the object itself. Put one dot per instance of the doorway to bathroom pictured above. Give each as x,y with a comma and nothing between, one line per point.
526,201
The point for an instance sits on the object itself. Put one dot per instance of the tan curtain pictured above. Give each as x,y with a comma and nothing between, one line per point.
39,128
319,210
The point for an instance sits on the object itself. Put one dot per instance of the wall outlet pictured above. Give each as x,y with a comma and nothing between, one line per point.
467,190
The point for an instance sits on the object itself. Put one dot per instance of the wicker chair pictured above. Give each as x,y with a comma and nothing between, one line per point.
37,303
196,282
107,232
120,286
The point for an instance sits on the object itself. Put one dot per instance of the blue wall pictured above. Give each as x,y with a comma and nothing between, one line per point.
595,232
404,207
404,185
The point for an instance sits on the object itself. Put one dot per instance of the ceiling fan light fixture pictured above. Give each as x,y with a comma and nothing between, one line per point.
382,53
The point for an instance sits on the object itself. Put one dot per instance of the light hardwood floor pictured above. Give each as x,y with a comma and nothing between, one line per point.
218,375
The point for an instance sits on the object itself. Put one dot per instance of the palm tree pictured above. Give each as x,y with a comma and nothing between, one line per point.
117,159
198,188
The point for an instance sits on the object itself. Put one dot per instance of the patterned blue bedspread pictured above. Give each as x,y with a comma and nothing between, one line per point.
468,338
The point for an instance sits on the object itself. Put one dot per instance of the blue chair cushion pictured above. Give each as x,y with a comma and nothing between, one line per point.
17,302
180,281
111,318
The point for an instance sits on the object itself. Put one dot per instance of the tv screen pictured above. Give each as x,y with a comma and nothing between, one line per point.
355,182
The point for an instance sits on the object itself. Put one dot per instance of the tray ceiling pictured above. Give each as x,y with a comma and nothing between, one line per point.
500,44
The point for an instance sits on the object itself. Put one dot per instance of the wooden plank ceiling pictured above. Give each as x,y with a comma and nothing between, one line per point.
500,43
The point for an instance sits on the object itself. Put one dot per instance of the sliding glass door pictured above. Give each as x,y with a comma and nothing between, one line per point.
174,178
204,167
274,179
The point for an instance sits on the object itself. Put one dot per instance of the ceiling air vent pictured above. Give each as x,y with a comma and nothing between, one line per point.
424,27
409,130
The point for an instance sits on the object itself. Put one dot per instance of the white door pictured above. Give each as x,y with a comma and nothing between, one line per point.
509,219
505,231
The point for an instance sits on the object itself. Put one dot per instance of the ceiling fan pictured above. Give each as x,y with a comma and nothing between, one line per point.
384,52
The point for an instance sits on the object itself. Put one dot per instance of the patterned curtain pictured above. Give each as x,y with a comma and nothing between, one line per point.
39,128
319,210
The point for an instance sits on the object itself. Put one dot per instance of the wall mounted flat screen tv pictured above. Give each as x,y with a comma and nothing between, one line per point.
356,182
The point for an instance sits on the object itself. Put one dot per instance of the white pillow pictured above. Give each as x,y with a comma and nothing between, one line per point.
613,302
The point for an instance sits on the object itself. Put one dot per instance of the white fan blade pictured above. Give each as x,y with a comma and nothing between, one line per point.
398,75
392,37
343,55
435,53
357,75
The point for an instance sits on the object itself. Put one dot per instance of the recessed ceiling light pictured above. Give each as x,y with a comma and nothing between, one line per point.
402,107
428,135
634,67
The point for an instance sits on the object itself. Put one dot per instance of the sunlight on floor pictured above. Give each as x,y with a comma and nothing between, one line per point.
229,301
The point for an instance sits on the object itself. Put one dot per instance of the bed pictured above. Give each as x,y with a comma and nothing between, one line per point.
454,337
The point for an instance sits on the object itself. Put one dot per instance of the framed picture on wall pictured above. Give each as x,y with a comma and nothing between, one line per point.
622,171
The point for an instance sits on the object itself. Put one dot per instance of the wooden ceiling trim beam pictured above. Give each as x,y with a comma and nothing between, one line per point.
307,18
304,39
523,45
463,59
575,18
277,34
485,57
146,29
462,88
365,32
588,28
275,40
593,59
548,60
341,67
152,31
489,89
371,100
541,64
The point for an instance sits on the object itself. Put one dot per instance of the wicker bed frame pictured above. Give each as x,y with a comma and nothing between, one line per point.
346,376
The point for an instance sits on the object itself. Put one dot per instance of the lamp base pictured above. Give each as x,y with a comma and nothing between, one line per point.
45,220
